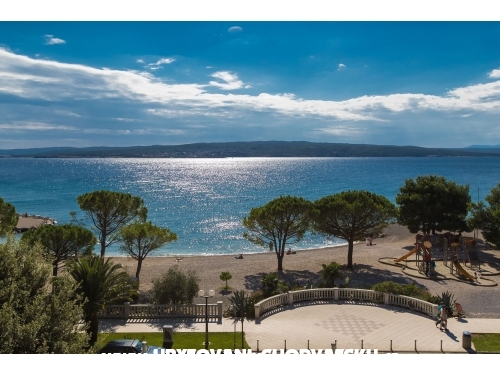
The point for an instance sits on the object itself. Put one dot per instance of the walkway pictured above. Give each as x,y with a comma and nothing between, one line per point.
322,323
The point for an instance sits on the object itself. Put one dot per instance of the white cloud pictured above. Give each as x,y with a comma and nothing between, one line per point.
50,39
66,113
158,65
163,61
234,29
231,81
140,61
341,131
54,81
33,126
341,66
495,73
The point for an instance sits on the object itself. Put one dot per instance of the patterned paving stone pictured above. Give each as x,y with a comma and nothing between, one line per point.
352,326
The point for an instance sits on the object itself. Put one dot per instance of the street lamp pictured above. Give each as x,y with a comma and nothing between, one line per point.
201,293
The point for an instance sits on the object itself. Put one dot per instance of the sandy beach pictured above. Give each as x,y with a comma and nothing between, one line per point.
305,266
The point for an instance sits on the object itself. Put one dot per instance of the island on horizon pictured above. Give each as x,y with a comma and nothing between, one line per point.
250,149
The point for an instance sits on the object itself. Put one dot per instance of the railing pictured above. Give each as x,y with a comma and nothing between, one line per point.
336,294
146,311
413,304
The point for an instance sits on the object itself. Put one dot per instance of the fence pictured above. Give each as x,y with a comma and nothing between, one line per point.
350,294
146,311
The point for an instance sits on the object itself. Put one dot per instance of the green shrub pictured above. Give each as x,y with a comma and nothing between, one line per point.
175,286
244,305
269,284
283,287
447,299
388,287
257,296
410,290
329,274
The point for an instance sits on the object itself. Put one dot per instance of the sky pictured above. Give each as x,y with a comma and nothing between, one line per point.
124,83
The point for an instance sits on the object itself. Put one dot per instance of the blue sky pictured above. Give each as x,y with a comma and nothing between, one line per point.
431,84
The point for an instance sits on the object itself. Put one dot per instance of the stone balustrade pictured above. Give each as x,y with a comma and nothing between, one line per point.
349,294
147,311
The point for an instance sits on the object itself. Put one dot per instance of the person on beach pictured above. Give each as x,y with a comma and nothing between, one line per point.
369,241
239,256
433,268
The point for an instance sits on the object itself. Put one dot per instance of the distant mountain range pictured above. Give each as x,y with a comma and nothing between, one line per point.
250,149
483,146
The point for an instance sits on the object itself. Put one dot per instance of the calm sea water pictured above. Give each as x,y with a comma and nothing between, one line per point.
205,200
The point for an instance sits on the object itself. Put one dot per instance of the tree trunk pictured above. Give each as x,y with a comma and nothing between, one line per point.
103,248
242,333
54,270
349,254
139,265
280,262
93,329
103,243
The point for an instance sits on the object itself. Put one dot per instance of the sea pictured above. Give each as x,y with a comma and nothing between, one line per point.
205,200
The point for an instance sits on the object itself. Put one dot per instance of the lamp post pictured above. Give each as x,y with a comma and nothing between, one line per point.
201,293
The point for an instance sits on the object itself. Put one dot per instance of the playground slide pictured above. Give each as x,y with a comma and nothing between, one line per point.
407,255
462,271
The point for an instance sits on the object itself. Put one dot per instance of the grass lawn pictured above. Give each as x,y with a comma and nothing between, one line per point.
486,342
182,340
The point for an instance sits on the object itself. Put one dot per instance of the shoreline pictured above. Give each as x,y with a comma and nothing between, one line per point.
246,272
305,267
232,254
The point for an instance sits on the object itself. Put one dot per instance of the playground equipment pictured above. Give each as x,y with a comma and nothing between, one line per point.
459,251
420,249
469,244
409,254
461,271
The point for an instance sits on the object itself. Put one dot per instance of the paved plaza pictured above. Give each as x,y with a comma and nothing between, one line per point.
318,325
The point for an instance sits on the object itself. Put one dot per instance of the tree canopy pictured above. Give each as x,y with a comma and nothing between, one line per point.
109,211
8,217
141,238
225,276
175,286
352,216
61,242
101,282
329,274
431,203
283,220
487,217
38,313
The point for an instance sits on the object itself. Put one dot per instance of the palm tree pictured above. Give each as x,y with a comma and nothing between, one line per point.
241,303
101,282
